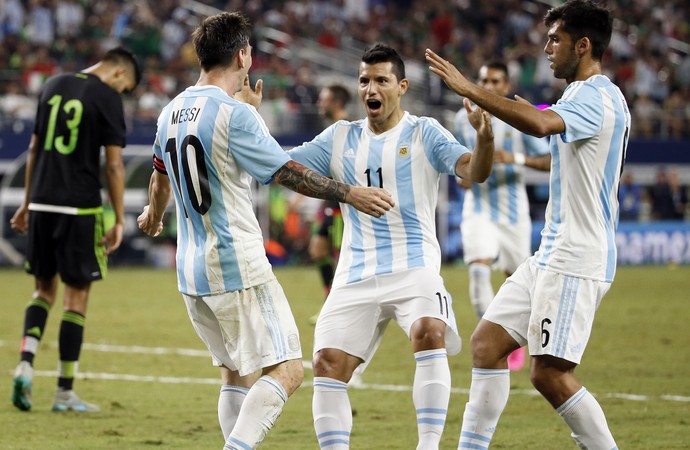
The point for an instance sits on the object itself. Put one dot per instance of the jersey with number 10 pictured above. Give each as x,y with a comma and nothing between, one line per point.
77,114
212,145
407,161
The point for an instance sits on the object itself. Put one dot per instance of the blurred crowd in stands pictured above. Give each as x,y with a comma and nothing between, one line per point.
648,56
665,199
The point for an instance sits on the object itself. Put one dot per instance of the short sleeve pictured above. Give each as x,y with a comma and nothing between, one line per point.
441,147
582,111
113,118
316,154
253,147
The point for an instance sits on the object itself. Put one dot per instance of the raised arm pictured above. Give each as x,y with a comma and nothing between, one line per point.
370,200
522,116
477,165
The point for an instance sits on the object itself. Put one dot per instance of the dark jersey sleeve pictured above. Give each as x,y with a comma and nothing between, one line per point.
112,119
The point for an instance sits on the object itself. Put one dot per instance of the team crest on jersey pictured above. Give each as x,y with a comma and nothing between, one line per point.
403,151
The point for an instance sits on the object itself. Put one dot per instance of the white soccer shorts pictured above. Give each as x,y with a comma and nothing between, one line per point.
549,311
355,316
508,244
246,330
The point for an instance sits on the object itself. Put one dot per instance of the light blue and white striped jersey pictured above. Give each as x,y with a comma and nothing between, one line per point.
582,214
502,197
407,161
212,146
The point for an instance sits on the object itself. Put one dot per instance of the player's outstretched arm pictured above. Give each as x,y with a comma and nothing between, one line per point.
520,115
370,200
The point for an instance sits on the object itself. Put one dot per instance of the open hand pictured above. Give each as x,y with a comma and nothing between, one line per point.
370,200
113,238
480,120
20,220
448,73
249,95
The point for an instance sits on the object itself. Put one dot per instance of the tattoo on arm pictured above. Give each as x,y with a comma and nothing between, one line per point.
303,180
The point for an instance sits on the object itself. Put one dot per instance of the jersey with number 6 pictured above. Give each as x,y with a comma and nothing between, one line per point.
579,235
77,114
212,146
407,161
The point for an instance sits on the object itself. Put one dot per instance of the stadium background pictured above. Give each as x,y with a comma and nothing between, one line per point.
300,46
142,361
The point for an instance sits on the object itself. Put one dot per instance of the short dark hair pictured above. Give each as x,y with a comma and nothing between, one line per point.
497,65
120,55
340,94
380,53
584,18
218,39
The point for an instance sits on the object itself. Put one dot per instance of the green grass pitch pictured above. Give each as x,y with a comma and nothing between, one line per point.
147,369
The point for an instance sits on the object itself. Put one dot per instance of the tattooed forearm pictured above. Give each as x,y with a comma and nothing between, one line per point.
299,178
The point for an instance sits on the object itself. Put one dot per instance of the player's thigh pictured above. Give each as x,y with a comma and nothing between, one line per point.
81,257
248,329
479,238
41,245
420,293
351,319
512,304
563,312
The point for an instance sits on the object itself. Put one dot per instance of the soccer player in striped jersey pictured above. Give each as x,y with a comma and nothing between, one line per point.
389,268
549,303
496,224
208,148
78,113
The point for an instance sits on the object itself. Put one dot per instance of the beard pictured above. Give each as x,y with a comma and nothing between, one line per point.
568,68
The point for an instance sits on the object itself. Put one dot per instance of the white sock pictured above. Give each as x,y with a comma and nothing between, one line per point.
488,397
586,419
229,403
481,290
430,395
259,412
332,413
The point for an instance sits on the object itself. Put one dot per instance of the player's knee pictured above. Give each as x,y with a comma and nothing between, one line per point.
332,365
295,375
541,381
428,338
483,350
289,374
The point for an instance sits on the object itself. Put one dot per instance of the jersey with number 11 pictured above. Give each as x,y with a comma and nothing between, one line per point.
407,161
212,146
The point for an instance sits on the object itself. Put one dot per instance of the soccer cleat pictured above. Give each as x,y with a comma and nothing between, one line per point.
516,360
21,387
68,401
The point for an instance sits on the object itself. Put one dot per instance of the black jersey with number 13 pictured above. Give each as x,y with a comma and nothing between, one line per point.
77,114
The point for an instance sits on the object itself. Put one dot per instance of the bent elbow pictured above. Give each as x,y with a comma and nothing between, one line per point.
481,175
541,130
